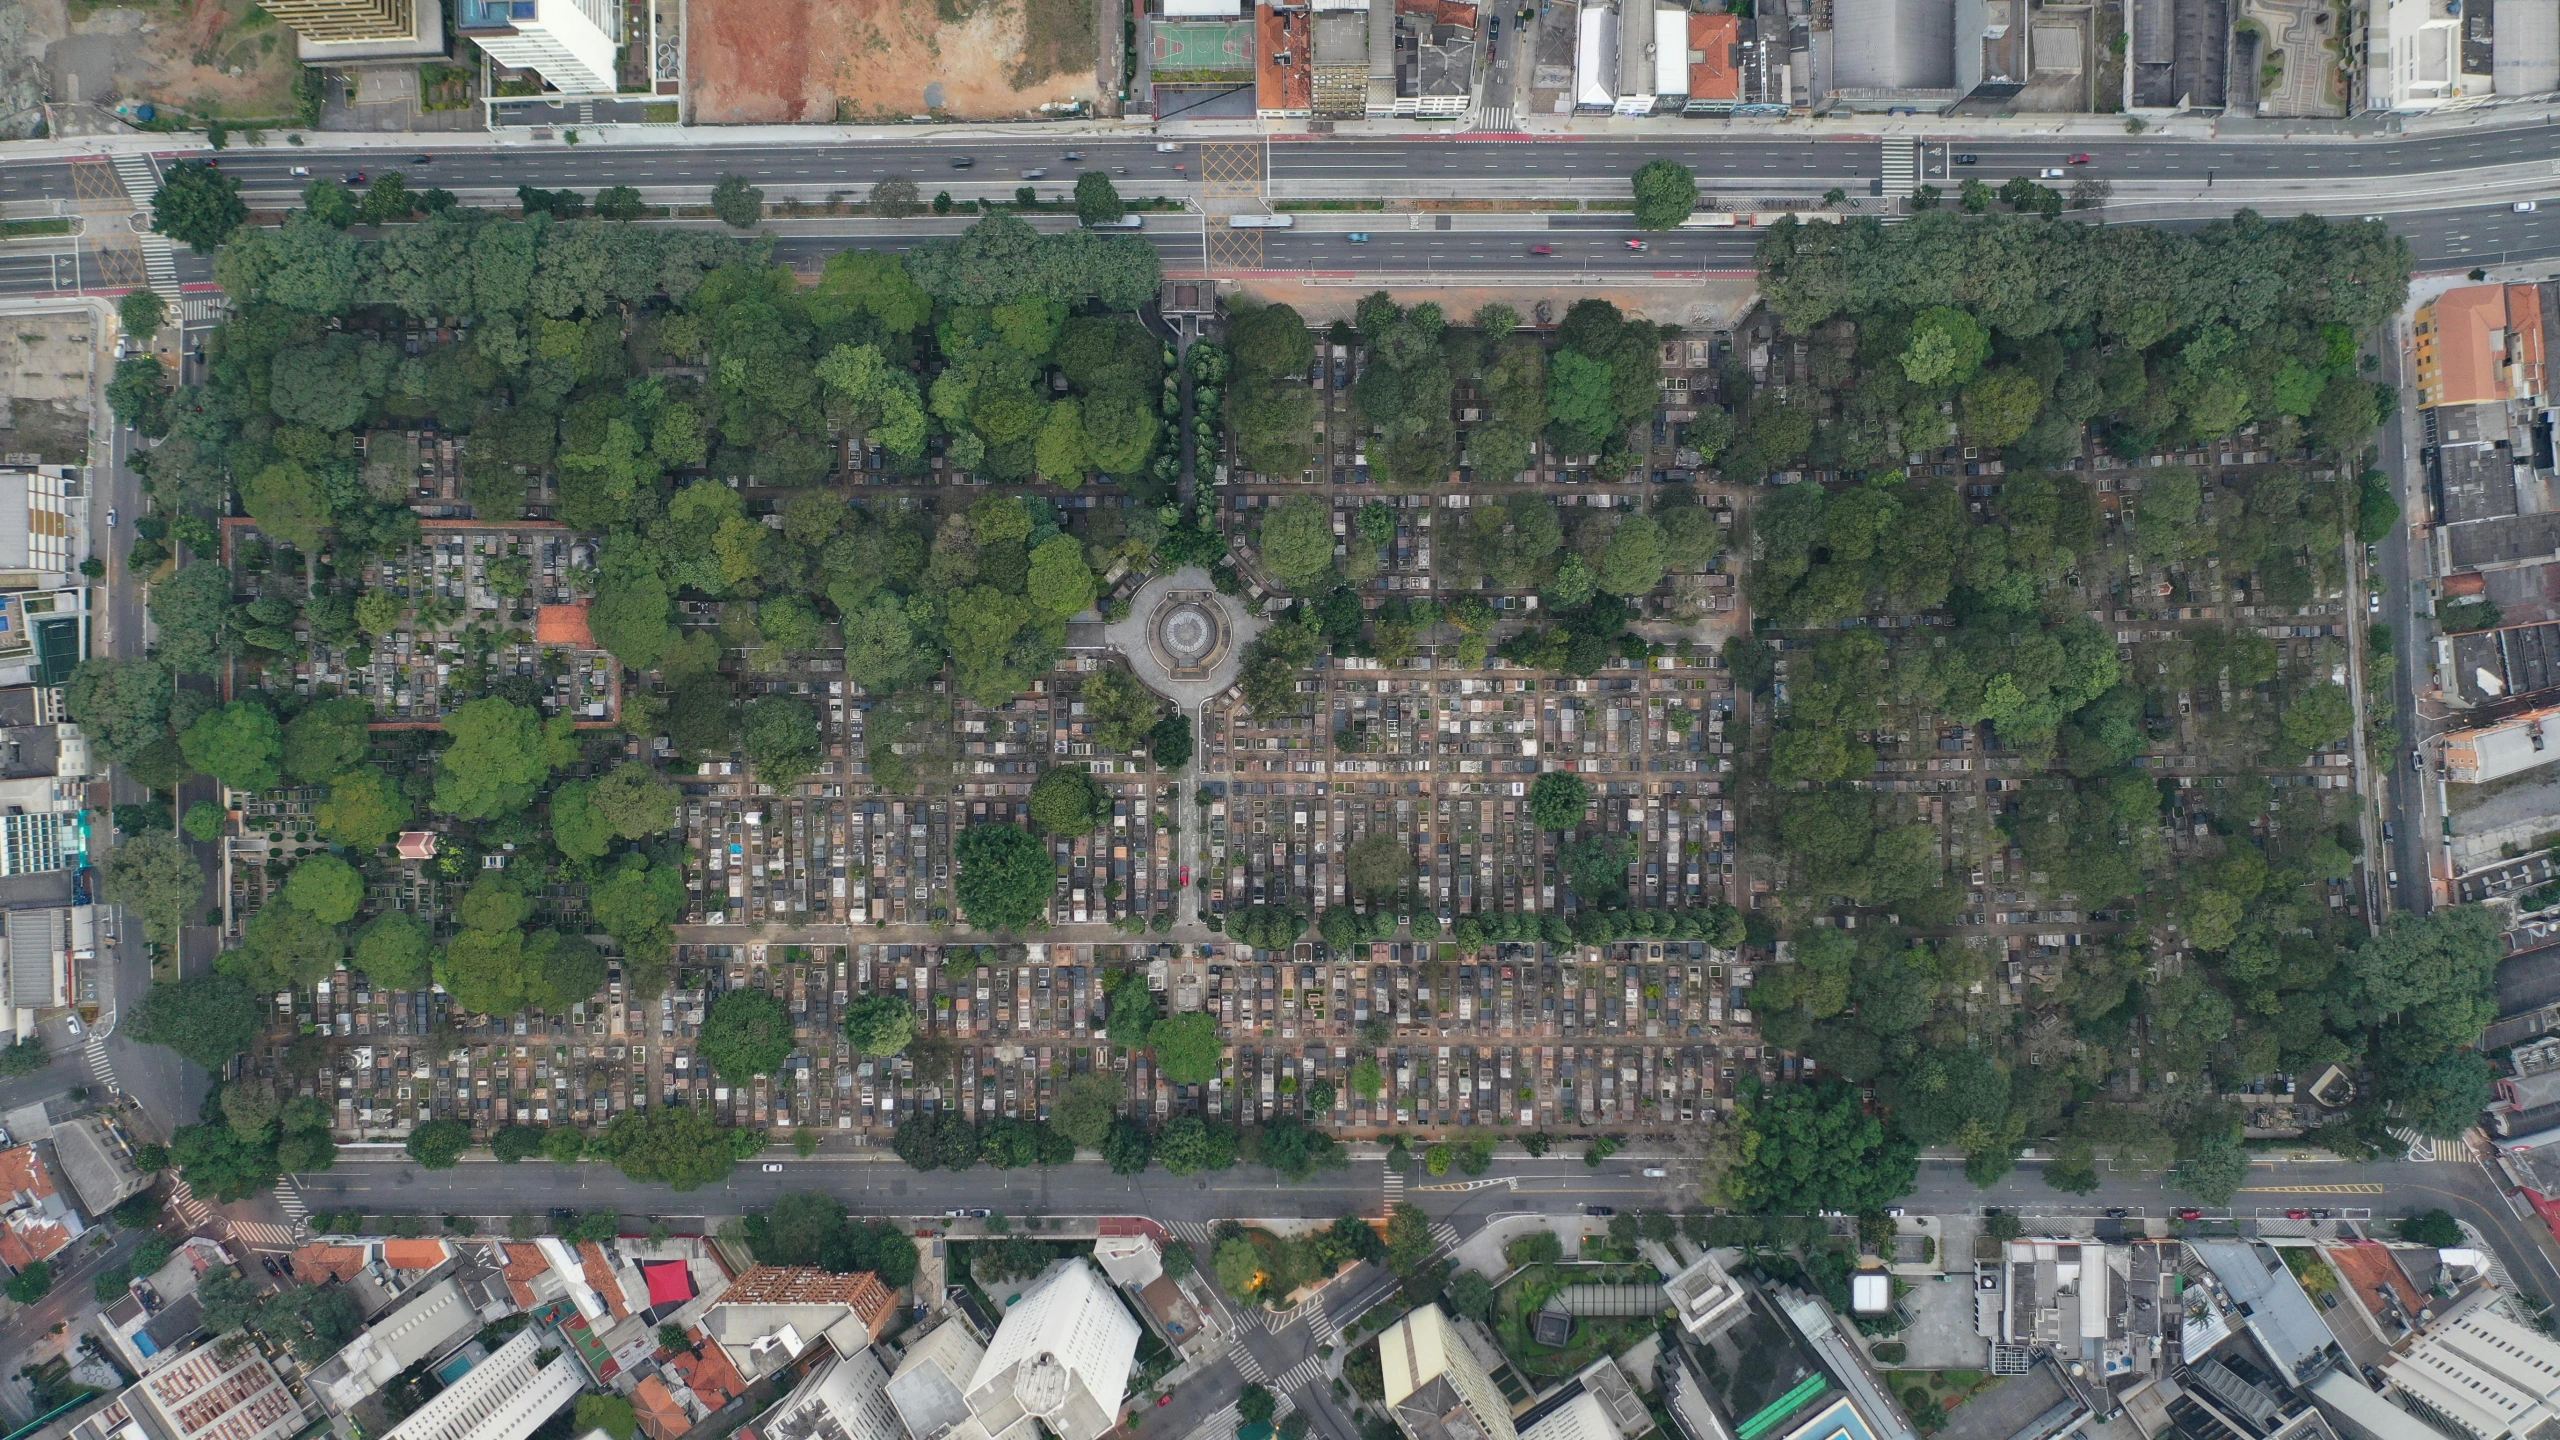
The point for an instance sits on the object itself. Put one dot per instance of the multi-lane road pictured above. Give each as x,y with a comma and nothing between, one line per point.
2452,195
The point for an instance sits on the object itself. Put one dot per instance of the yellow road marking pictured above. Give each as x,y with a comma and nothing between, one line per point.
2311,1190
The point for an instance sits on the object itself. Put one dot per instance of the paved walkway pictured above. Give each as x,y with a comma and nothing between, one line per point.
1137,639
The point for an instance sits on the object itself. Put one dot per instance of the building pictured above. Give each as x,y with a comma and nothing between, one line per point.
930,1389
1435,1388
2525,54
2482,345
1060,1359
2419,57
2509,747
97,1163
40,965
844,1398
1707,1299
37,1222
2480,1372
346,19
2353,1410
144,1338
1595,61
1881,54
571,42
769,1316
1715,63
505,1397
213,1392
37,546
430,1323
2271,1304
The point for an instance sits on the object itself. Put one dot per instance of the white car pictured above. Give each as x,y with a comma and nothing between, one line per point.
2048,174
300,172
2525,207
1655,1172
1167,147
773,1169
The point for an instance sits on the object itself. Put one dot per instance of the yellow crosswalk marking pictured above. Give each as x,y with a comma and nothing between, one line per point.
2311,1190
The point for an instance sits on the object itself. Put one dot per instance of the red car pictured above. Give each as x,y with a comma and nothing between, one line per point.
1636,245
2297,1214
1542,249
1186,875
1163,1400
2079,159
2190,1214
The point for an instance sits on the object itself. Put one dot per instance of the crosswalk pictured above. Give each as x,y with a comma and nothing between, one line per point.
1494,117
189,1208
1395,1187
141,181
258,1235
1320,1324
2425,1148
1444,1235
289,1200
1250,1368
101,1072
1309,1371
1901,166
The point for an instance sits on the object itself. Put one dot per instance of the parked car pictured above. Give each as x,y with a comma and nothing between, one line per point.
2190,1214
2387,832
1599,1212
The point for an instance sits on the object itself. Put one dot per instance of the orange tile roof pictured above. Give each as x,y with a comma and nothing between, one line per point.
1712,73
1284,59
525,1264
709,1374
338,1262
600,1277
413,1254
563,625
2472,340
658,1411
29,1234
802,1285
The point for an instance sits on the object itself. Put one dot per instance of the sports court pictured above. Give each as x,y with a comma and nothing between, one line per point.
1200,46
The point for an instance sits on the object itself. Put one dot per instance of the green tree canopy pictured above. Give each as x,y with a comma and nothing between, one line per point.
326,886
327,740
1557,800
1297,541
1666,194
363,808
157,878
237,744
396,950
1813,1148
1007,876
746,1034
879,1025
500,756
207,1019
1187,1050
197,205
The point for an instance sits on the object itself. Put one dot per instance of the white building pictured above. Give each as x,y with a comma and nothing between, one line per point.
2480,1372
1706,1297
844,1398
571,42
1061,1358
217,1391
428,1324
505,1397
1435,1388
1595,61
930,1390
2415,51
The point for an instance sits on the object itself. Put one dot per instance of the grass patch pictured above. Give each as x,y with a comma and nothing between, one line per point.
1057,36
663,112
1315,205
13,229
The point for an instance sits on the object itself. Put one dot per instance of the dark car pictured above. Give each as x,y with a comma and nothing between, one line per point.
1968,159
1599,1211
963,162
422,159
355,177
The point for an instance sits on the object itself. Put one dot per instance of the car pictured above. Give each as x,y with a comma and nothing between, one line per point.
563,1212
2190,1214
1186,877
422,159
1542,249
2388,833
2418,760
2319,1214
2391,878
1074,157
1358,237
1035,174
2373,602
963,162
1655,1172
1638,246
773,1169
2117,1212
355,177
111,517
2048,173
1163,1400
1893,1213
1168,147
299,171
2080,159
1968,159
1599,1212
2525,207
2297,1214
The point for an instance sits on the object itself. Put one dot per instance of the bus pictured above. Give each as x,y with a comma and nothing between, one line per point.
1261,222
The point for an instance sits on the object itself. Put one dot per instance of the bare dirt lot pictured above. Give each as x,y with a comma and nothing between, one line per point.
45,377
777,61
224,59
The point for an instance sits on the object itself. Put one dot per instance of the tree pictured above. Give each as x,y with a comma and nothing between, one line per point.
363,808
193,608
197,205
672,1145
1367,1080
2436,1227
1297,541
1097,199
122,706
780,738
396,950
1947,347
1557,800
500,755
287,502
1170,742
1061,582
2001,406
1632,563
747,1033
1088,1104
564,1145
438,1144
207,1019
1006,877
514,1143
33,1280
1254,1404
1471,1294
636,800
738,204
2319,716
1666,194
1814,1148
327,740
1067,800
1238,1267
2213,1169
25,1057
941,1140
156,877
611,1414
326,886
895,197
1127,1149
1187,1048
1188,1144
142,312
1378,865
879,1025
237,744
